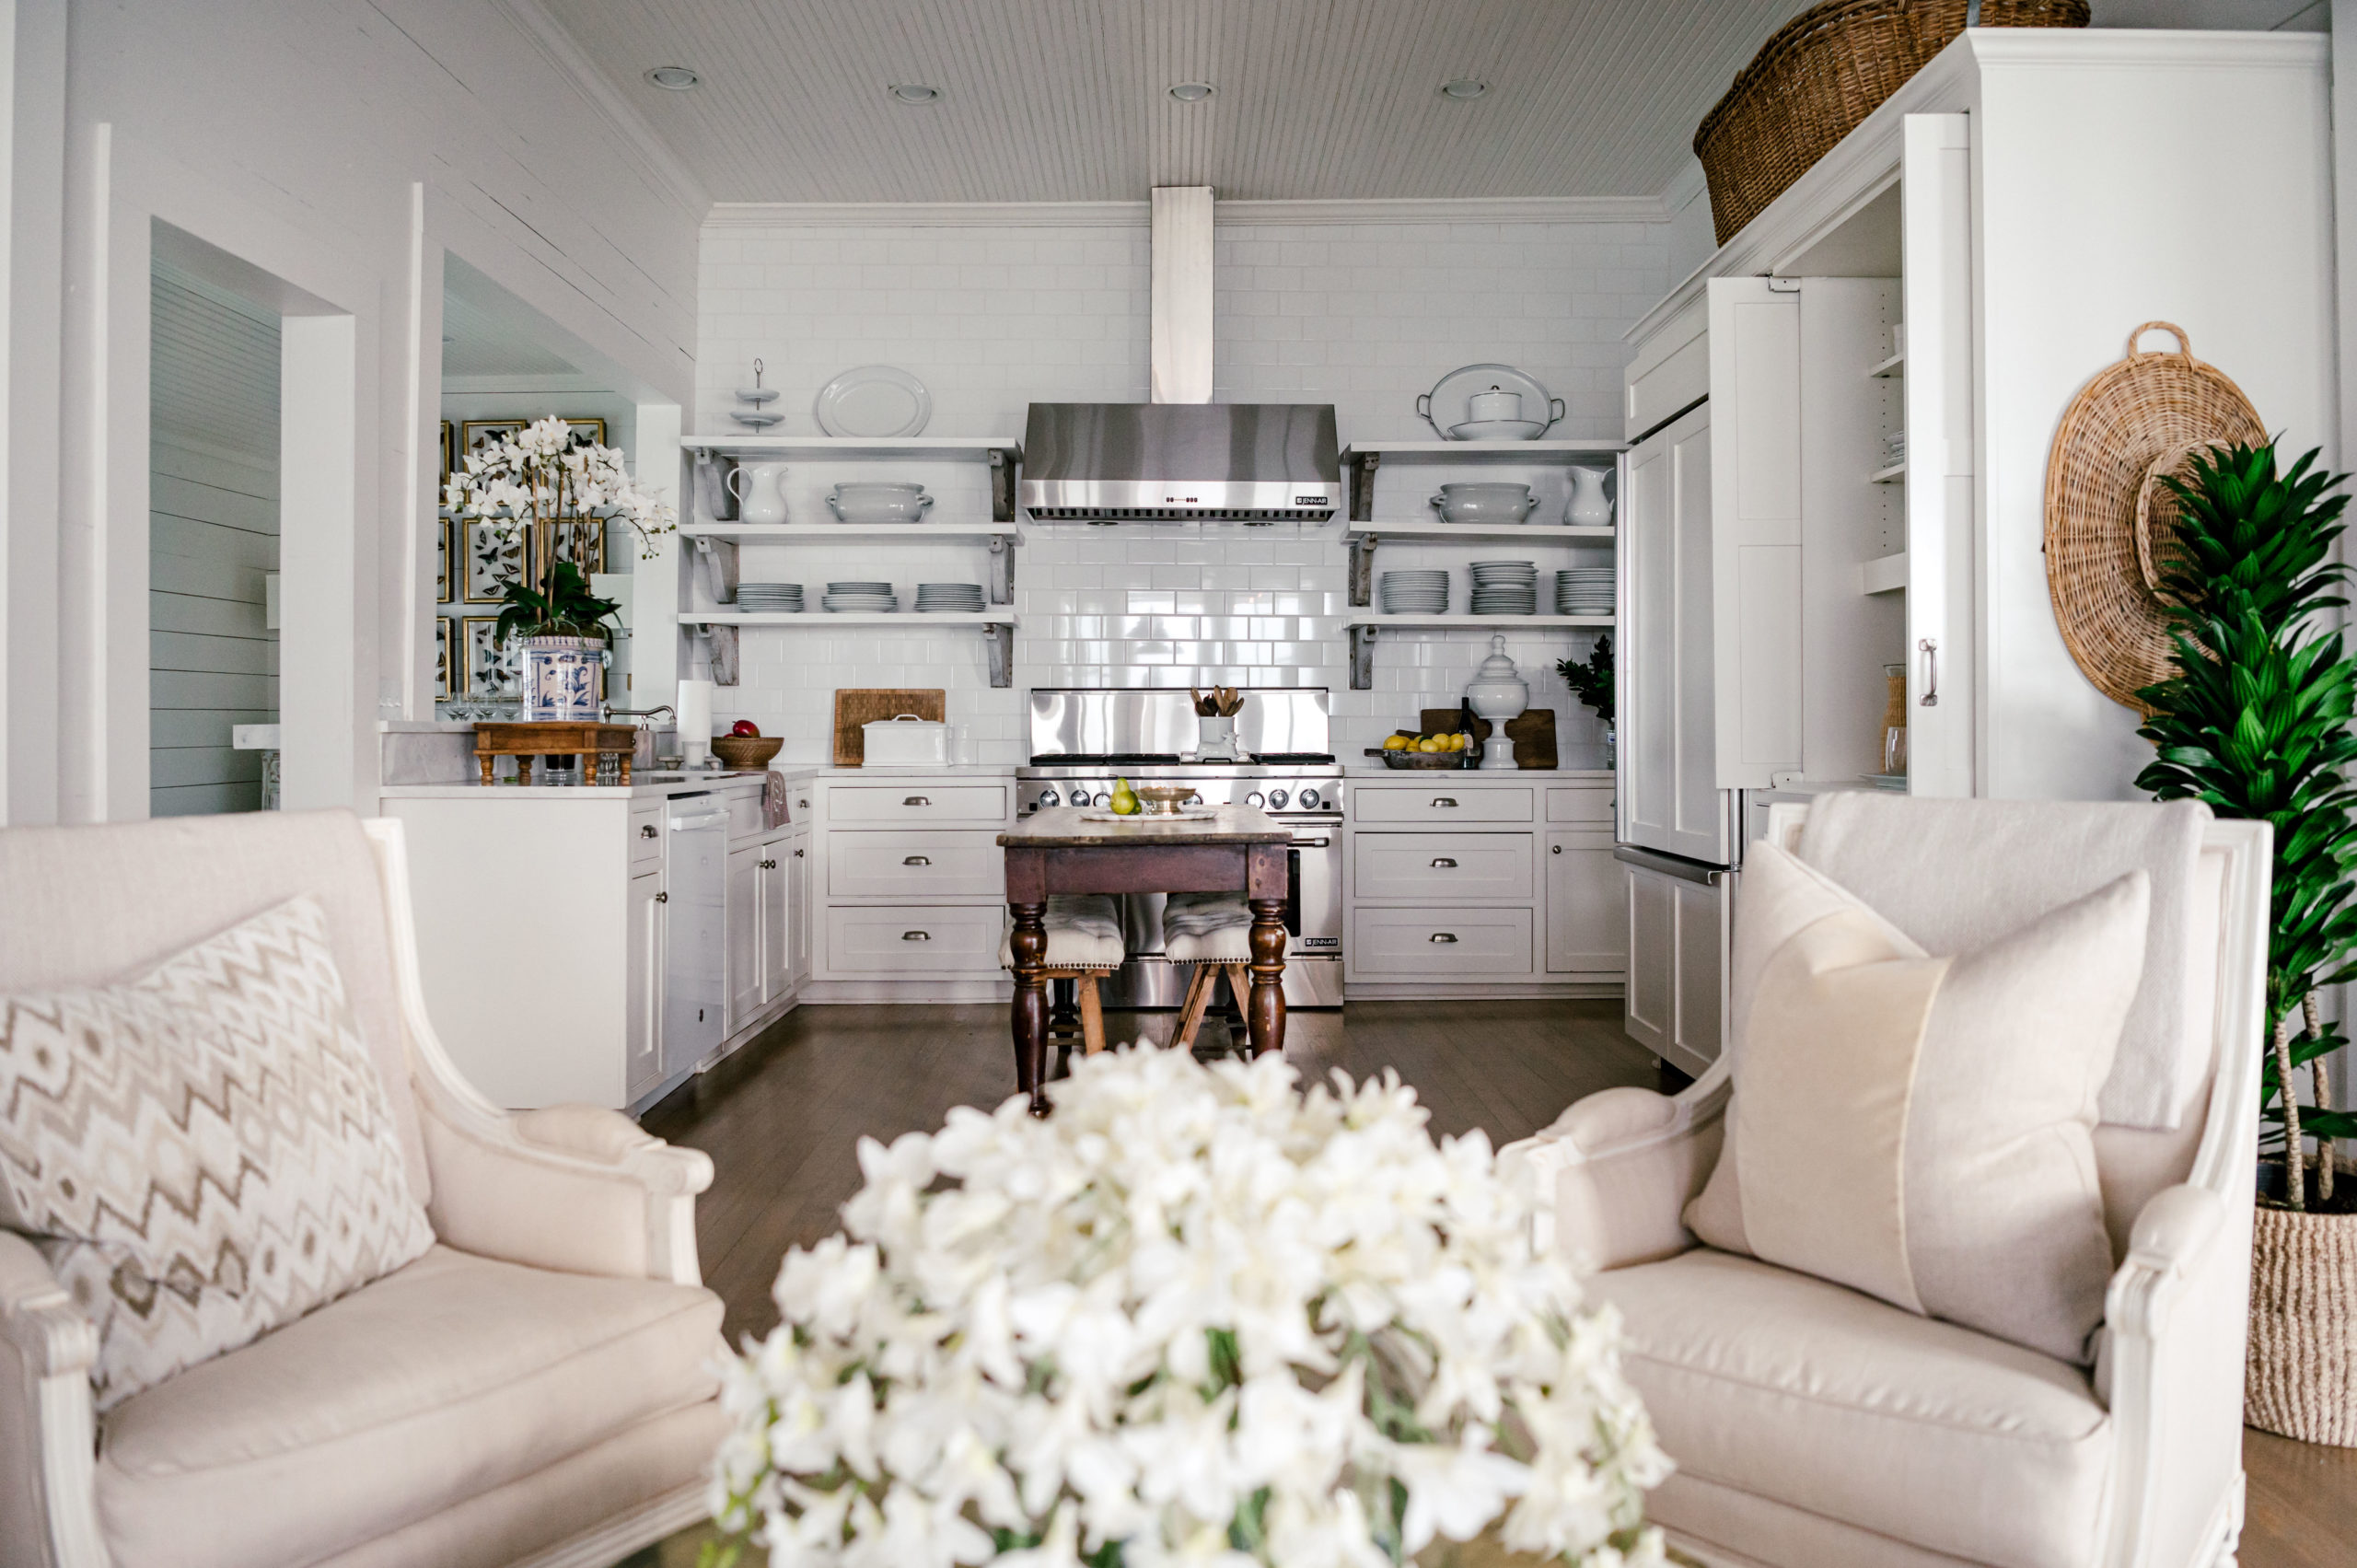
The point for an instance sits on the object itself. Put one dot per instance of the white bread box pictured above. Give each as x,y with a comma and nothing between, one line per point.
906,741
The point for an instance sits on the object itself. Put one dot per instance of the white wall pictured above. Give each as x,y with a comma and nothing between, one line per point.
296,134
1053,305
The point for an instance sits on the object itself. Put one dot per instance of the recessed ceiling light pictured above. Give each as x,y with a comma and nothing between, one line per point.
915,92
1463,87
1192,92
673,78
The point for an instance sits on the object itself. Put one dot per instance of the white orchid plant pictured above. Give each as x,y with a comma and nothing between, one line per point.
1196,1316
524,487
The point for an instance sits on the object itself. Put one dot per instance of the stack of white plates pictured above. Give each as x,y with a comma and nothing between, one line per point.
945,598
1415,593
1584,590
770,598
1506,588
861,597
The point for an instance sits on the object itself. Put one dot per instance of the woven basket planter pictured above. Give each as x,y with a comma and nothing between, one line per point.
1823,71
2302,1375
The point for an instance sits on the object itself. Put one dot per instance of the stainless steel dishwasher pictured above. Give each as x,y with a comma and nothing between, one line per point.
695,939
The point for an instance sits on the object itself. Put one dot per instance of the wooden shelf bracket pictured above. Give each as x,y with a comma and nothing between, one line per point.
719,559
1001,640
1362,656
1363,570
1003,570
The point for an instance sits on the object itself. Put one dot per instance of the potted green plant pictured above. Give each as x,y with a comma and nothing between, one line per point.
1591,683
2257,723
546,476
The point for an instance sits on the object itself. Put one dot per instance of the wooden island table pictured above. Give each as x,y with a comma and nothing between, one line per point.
1236,850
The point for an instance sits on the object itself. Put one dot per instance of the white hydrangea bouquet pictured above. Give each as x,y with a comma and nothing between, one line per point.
1197,1316
524,485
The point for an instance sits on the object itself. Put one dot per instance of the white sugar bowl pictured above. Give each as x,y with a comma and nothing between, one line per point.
1497,692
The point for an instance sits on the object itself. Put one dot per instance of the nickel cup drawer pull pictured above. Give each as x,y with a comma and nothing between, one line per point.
914,860
916,935
915,800
1444,936
1441,863
1441,800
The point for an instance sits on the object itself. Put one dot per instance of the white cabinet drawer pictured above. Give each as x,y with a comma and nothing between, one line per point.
1441,868
956,864
1440,943
744,815
913,940
917,805
1443,805
645,838
1591,803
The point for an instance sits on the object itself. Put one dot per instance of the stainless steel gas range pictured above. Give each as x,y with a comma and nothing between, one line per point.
1083,739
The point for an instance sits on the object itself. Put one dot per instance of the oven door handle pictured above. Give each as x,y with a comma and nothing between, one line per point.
1311,844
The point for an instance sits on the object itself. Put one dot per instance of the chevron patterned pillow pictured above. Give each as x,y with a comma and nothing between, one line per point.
204,1152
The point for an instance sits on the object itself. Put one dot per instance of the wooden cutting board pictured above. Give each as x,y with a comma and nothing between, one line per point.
1533,733
855,706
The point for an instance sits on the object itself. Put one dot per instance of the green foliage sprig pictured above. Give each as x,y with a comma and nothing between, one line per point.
2257,723
1592,682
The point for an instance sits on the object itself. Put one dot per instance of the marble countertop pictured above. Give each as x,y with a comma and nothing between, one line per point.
637,789
1368,771
1062,827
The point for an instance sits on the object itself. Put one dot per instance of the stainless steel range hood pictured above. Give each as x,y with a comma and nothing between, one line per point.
1181,457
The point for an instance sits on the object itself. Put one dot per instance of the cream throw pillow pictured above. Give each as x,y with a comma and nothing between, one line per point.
206,1151
1920,1129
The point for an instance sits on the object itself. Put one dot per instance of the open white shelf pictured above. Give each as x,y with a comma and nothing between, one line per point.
1480,622
916,449
911,533
911,619
1485,451
1895,365
1885,576
1890,475
1425,531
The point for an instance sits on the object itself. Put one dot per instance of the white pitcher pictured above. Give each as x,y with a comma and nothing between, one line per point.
1589,508
761,497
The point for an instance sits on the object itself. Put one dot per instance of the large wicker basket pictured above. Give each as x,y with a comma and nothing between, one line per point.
1822,72
2301,1373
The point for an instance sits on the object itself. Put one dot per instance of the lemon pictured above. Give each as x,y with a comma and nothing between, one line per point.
1395,743
1432,745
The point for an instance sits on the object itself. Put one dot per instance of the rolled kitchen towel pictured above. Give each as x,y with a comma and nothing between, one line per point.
695,719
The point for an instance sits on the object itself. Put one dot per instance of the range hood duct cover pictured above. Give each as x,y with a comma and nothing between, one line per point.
1181,462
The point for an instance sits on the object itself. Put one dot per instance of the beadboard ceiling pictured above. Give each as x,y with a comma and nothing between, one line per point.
1067,100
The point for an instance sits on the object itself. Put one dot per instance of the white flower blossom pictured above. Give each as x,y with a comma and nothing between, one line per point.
1197,1318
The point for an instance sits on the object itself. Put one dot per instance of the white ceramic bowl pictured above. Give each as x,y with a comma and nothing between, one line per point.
1486,503
878,503
1496,430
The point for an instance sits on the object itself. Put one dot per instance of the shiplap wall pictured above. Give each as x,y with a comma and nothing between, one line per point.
1361,315
213,534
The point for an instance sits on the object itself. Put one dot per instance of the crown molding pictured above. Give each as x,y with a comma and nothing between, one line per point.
1688,187
741,216
1474,209
656,162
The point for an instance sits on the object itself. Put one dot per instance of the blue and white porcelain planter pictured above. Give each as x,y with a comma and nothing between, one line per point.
561,677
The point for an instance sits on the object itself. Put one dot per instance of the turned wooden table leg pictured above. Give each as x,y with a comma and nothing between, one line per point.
1265,1013
1028,1012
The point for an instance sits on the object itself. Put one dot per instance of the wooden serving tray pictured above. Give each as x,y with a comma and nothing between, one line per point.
855,706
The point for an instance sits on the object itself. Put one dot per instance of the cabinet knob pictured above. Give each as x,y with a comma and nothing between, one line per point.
1441,863
804,804
916,935
768,865
797,854
1444,936
662,898
915,800
1554,849
1442,800
646,830
914,860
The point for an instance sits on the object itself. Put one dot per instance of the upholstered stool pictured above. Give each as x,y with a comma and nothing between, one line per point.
1084,945
1213,932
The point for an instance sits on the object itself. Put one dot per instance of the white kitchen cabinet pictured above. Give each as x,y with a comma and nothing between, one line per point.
907,887
1443,867
795,852
1461,943
1587,928
643,985
773,903
744,934
1678,924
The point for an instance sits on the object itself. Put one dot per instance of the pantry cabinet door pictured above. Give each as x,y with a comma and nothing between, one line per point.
775,887
1649,1000
744,934
1755,529
1664,708
643,986
1587,929
1937,250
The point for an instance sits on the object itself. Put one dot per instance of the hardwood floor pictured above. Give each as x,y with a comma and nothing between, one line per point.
782,1119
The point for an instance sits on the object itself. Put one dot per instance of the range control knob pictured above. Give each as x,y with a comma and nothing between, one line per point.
1254,799
1080,797
1049,797
1308,801
1276,800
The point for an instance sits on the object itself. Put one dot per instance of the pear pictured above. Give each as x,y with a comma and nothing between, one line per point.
1125,799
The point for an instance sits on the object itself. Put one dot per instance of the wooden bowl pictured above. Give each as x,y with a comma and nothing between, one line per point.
1162,800
744,752
1425,759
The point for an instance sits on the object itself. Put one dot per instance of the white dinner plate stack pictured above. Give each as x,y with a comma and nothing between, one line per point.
770,598
949,599
1415,593
1506,588
1584,590
862,597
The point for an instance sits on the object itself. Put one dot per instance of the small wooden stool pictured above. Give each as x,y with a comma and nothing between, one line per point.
1223,940
585,739
1084,945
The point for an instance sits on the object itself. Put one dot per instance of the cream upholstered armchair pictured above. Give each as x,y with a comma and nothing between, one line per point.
538,1389
1816,1427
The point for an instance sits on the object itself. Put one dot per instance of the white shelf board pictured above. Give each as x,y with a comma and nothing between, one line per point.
1480,622
911,619
1429,532
1890,475
1498,451
914,533
1895,365
1887,575
917,449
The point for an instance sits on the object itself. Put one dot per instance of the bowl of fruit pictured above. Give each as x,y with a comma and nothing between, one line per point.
745,747
1407,749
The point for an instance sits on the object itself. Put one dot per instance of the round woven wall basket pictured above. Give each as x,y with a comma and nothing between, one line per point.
2301,1373
2112,523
